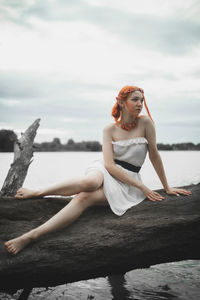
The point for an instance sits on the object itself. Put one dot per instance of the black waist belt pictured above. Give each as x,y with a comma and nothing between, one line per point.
127,166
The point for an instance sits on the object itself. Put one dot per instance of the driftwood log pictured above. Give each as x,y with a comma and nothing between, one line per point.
23,152
99,243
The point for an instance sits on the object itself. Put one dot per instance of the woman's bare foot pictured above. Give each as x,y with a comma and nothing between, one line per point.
23,193
17,244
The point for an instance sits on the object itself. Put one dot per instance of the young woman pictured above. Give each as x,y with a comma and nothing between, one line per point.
113,180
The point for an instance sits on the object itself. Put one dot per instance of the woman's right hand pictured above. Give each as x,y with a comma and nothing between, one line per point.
151,195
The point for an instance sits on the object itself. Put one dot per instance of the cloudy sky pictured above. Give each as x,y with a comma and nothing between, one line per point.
64,61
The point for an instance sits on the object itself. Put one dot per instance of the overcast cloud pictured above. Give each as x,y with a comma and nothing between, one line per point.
65,61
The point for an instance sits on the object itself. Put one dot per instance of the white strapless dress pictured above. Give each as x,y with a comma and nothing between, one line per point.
122,196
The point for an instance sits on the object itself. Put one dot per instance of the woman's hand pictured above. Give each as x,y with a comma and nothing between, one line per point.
178,192
151,195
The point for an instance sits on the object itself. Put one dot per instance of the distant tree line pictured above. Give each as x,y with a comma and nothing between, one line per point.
56,145
8,137
180,146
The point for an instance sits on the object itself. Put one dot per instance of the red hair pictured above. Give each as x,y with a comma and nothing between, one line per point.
123,95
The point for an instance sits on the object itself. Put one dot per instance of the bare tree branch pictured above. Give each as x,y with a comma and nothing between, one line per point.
23,152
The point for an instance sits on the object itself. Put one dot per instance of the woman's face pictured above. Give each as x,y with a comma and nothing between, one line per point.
134,103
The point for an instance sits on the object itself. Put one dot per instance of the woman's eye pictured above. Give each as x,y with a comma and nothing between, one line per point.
136,99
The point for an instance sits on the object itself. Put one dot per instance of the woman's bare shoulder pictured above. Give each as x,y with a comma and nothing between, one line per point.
145,120
108,131
109,127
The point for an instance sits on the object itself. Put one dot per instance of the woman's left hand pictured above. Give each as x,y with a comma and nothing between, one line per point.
178,192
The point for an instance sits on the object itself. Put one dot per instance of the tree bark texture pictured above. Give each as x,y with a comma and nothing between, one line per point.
23,152
99,243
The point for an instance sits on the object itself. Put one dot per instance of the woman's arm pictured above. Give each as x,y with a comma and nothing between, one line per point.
157,161
117,172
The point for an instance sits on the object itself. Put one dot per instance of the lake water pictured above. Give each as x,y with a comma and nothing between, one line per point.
177,280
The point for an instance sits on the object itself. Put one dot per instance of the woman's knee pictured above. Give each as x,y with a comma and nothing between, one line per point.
92,182
83,199
88,199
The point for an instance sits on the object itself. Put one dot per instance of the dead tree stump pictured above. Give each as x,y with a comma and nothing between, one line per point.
23,152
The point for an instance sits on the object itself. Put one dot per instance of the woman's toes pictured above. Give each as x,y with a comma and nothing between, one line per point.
7,244
14,250
19,192
9,248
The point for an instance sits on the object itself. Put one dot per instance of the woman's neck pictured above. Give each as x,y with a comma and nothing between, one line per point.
128,123
127,118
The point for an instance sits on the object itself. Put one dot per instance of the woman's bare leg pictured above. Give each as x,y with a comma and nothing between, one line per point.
88,183
63,218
